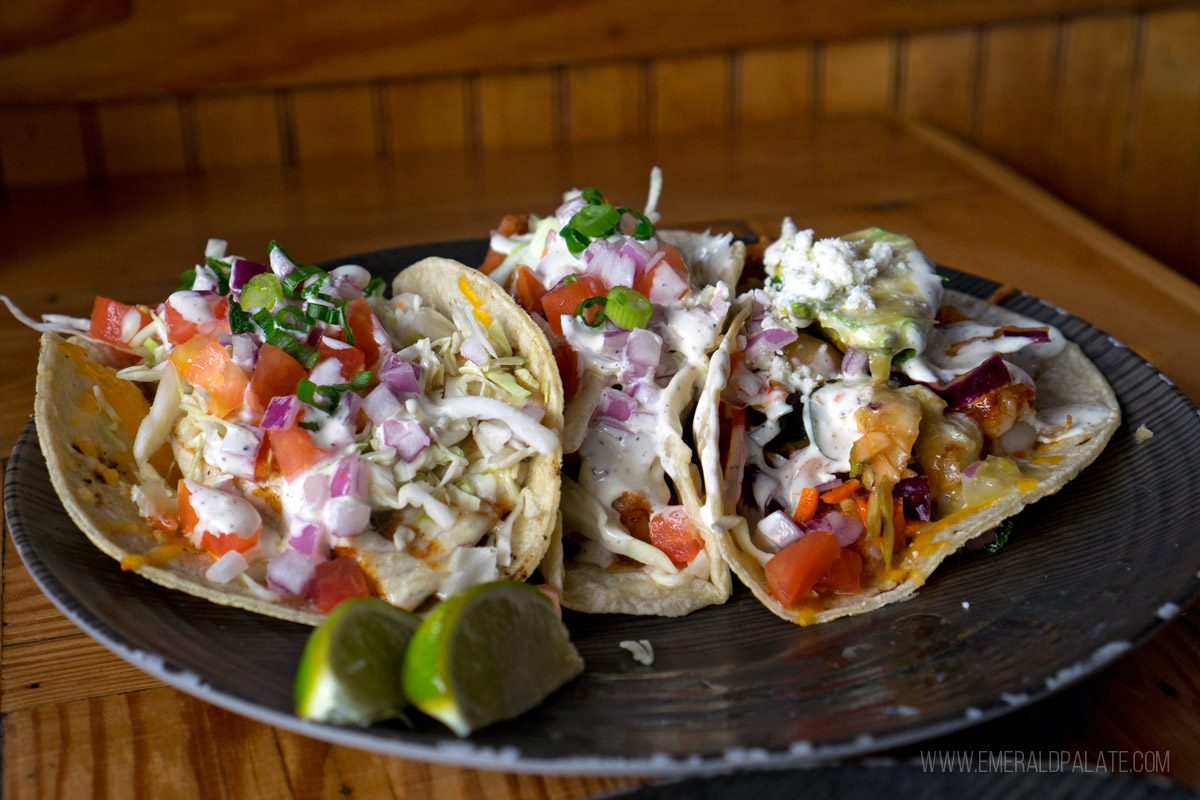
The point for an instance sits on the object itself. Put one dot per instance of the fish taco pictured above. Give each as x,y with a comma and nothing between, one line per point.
632,313
861,424
278,437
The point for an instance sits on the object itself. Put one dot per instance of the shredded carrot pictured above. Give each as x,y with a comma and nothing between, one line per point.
806,509
839,493
863,503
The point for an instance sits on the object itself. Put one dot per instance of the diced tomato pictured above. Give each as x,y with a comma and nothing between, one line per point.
183,355
216,543
845,576
109,317
667,279
351,357
568,368
367,330
294,451
513,225
276,374
492,260
567,297
214,371
528,290
671,531
181,327
335,581
795,570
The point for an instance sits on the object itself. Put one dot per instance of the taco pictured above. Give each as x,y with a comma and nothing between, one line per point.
861,424
632,313
279,438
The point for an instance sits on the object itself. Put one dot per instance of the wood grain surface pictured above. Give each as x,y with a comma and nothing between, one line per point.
78,721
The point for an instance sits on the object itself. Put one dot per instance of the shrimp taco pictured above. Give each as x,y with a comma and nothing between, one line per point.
632,313
861,424
279,437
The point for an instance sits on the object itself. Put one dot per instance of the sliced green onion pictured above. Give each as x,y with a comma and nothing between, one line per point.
306,390
644,229
281,339
628,308
265,321
361,380
299,322
596,220
187,278
313,290
374,285
221,270
324,313
567,281
310,426
593,195
239,320
585,309
346,323
262,291
576,241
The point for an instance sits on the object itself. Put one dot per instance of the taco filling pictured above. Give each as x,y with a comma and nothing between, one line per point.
870,423
632,313
289,437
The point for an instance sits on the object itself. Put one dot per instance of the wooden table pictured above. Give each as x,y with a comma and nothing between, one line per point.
78,721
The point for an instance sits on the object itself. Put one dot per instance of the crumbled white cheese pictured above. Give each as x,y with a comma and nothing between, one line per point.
816,272
1143,434
641,650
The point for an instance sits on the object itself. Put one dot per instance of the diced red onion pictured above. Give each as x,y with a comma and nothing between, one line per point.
615,404
764,489
291,572
381,404
643,391
242,271
854,362
348,410
768,340
991,374
356,275
225,339
315,335
777,531
245,351
349,478
569,208
915,494
205,280
604,260
316,491
719,305
636,252
280,265
406,437
346,288
327,373
400,375
970,471
305,536
846,529
281,413
617,431
644,347
227,567
833,484
474,350
345,516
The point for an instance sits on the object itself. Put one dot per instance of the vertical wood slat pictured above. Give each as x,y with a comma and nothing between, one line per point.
776,83
690,94
41,145
517,109
940,83
1159,201
1017,90
142,137
237,130
1092,104
604,102
858,76
335,122
427,115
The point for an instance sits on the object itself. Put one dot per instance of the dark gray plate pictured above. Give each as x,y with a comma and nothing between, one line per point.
1089,573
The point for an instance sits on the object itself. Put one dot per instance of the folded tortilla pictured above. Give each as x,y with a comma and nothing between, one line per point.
88,418
1068,378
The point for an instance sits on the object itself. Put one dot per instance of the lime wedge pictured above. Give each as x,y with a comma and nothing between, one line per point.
350,670
490,653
